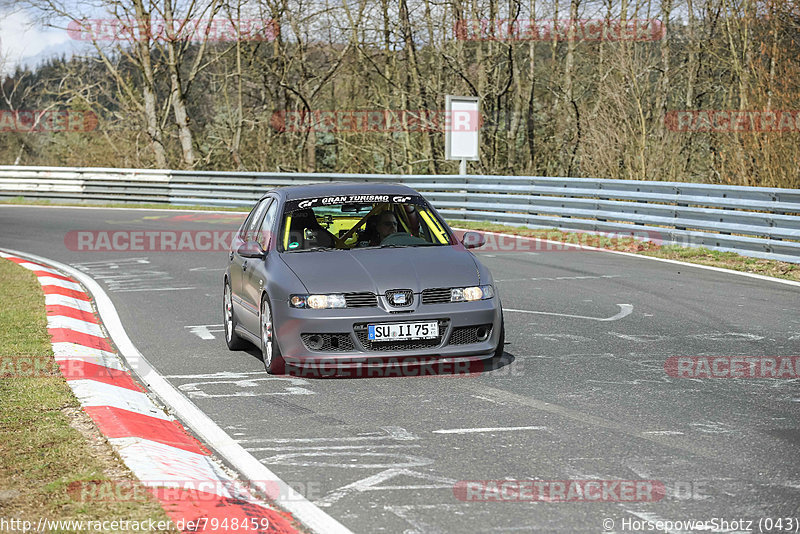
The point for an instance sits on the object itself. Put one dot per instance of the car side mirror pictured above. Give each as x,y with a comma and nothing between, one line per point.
251,249
473,239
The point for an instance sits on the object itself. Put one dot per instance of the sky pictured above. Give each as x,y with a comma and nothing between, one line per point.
25,41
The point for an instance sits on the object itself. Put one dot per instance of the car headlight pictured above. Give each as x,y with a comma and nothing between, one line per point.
317,302
467,294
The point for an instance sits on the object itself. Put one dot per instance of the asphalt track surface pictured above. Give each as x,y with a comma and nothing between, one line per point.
575,397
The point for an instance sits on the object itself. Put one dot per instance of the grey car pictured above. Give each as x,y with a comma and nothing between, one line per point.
355,274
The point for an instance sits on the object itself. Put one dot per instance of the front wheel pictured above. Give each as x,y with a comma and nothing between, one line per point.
271,353
498,353
232,339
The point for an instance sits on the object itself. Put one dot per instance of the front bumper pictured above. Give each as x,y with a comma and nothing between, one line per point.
455,320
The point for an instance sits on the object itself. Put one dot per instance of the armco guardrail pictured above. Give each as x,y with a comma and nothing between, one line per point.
755,221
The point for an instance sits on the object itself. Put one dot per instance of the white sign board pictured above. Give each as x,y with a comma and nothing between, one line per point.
462,132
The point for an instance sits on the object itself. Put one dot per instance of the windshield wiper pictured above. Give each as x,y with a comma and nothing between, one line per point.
312,249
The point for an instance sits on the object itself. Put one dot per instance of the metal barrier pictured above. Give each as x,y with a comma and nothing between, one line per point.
754,221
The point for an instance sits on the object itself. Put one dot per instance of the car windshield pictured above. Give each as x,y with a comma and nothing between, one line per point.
360,222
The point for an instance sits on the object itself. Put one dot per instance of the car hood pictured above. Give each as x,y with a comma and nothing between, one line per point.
379,270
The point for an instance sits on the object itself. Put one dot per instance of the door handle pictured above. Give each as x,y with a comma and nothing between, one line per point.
230,256
244,265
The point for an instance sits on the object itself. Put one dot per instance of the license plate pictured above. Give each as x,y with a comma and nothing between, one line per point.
400,331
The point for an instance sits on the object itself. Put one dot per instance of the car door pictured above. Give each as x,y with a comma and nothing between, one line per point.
254,271
237,262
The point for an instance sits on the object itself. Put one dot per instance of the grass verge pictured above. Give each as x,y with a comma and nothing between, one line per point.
50,447
700,256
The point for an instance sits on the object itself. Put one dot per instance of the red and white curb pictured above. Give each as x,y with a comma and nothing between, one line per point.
191,485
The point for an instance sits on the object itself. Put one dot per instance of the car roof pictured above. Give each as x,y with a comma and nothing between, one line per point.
294,192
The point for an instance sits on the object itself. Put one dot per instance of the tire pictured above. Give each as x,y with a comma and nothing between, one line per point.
270,351
232,339
498,353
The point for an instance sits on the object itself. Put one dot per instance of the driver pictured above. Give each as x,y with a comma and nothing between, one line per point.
387,225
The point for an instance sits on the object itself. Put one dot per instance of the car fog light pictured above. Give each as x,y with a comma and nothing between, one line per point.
314,342
482,333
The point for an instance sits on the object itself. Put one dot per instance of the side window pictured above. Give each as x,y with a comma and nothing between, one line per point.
249,230
254,213
267,226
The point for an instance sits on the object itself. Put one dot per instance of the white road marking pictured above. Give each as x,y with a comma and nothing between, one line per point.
487,399
497,429
638,338
293,388
297,459
153,289
370,483
567,337
487,255
664,432
724,336
557,278
113,264
712,427
585,418
227,375
330,447
393,432
131,274
625,310
409,514
204,331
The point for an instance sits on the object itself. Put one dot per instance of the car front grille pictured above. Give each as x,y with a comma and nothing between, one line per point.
361,332
360,300
464,335
330,342
436,296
